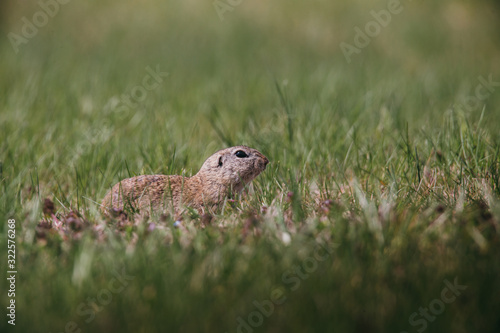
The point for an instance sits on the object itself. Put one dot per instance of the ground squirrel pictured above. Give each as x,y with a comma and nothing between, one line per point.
223,174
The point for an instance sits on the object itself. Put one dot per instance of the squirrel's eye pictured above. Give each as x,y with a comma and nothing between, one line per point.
241,154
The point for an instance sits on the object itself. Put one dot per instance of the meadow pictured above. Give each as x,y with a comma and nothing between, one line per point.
379,211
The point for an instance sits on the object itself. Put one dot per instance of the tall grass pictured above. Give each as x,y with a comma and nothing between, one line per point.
382,188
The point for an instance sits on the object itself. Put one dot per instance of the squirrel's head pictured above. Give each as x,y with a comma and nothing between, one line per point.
233,167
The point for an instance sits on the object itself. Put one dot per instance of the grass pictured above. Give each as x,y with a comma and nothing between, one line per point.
382,188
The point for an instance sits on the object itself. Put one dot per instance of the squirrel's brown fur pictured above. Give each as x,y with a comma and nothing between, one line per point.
224,173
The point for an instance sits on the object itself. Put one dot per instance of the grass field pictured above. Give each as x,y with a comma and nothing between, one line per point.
380,209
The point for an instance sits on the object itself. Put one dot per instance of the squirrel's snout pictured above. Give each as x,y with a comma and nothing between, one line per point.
263,162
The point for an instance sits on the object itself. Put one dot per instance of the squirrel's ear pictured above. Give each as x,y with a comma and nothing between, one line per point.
220,161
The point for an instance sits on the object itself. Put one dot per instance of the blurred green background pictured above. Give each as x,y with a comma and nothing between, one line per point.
396,136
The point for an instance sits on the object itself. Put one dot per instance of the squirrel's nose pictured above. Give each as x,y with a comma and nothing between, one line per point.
265,160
